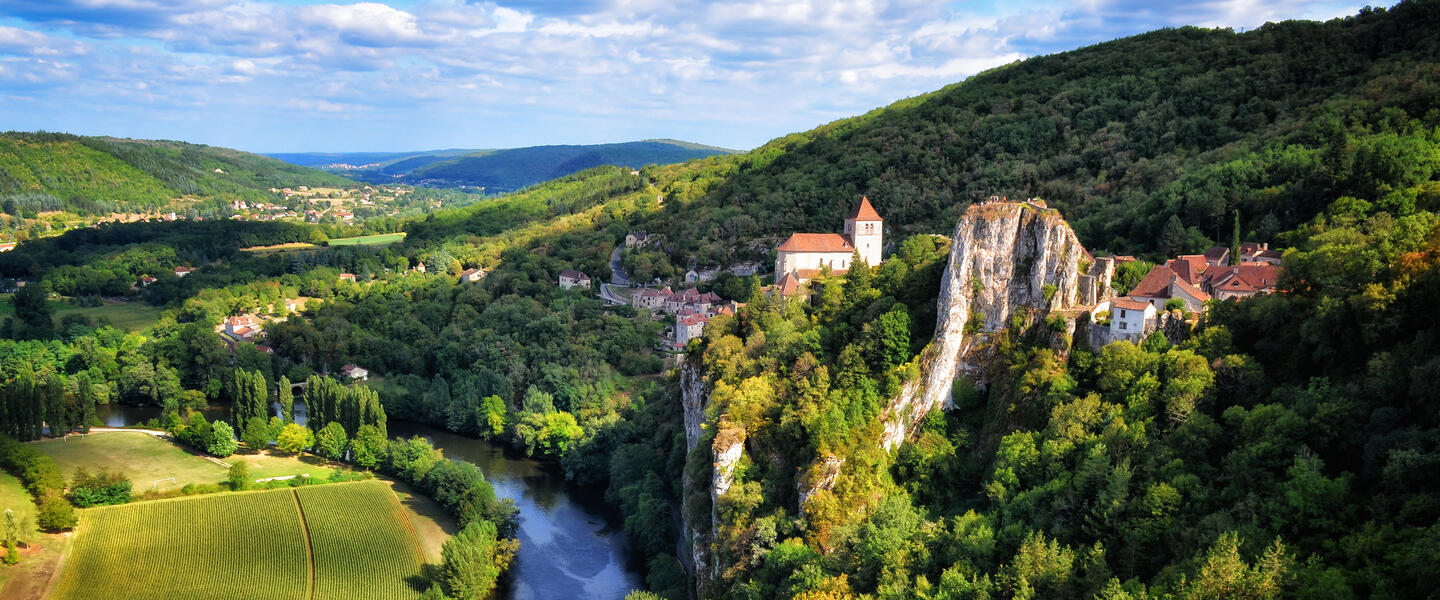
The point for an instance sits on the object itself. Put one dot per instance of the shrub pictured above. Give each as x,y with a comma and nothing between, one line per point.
56,514
103,488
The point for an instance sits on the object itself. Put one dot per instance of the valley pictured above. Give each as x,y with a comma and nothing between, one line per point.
1148,318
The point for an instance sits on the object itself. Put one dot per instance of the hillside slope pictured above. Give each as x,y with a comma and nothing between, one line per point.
54,171
1122,136
512,169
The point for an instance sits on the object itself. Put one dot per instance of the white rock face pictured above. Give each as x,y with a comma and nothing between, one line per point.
1004,258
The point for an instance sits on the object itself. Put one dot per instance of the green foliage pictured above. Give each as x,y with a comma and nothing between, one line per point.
331,441
222,440
239,476
56,515
294,439
473,561
100,489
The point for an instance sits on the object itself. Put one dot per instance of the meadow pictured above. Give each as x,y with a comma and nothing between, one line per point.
383,239
146,459
126,316
343,540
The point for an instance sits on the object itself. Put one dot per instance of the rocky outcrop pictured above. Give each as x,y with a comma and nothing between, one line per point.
1005,258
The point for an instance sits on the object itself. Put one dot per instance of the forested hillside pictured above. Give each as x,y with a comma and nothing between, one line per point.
1187,123
509,170
99,175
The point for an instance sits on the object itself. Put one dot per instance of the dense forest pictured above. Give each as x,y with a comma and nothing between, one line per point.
1282,447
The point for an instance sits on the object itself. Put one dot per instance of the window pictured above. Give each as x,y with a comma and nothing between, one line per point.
1122,313
1122,325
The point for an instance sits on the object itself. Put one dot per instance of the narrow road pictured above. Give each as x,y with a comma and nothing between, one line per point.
610,296
617,276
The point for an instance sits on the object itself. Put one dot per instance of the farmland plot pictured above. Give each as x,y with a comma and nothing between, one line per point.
360,528
221,547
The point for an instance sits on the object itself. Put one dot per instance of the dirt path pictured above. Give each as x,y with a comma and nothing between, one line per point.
59,565
309,550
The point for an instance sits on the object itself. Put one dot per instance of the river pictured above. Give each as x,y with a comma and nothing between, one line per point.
569,548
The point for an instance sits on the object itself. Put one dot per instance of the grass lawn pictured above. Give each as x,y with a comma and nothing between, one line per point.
342,540
127,316
27,580
280,248
14,497
383,239
145,459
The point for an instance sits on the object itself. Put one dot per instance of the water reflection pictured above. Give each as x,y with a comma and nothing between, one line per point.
567,547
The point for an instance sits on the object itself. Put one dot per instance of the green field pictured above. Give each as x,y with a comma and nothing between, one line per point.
145,459
362,530
383,239
127,316
353,541
14,497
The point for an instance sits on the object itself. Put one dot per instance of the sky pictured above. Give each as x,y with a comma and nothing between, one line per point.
400,75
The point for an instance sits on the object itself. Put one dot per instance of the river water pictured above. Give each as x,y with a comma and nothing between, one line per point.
569,547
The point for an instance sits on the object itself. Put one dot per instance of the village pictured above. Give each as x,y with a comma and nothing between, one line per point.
1178,288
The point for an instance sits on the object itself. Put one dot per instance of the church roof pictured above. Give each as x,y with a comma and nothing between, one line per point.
817,242
864,212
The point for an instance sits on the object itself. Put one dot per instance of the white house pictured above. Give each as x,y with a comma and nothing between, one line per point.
183,271
570,278
803,255
354,372
688,328
243,328
1130,319
471,275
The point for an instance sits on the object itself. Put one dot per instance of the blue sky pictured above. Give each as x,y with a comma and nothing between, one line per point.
297,75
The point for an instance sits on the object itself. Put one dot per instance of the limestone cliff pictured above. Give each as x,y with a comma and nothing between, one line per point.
1005,259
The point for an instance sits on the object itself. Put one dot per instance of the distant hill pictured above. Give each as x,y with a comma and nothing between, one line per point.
499,170
57,171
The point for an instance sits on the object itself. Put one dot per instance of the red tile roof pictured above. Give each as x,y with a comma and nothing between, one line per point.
864,212
788,285
817,242
1128,303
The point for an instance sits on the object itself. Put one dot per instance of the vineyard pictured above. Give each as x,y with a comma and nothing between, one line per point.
360,528
247,545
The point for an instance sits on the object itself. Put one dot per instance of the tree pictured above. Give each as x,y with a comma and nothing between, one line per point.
55,405
1172,237
492,417
331,441
12,537
256,434
251,397
239,476
56,514
222,440
33,309
368,447
85,395
286,397
473,561
1235,240
295,438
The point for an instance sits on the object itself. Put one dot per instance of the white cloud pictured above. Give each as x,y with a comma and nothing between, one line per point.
542,72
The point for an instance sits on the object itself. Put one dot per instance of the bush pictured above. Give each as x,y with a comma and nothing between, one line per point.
56,514
222,440
103,488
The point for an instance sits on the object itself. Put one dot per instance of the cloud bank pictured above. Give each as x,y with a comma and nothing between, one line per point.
294,75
